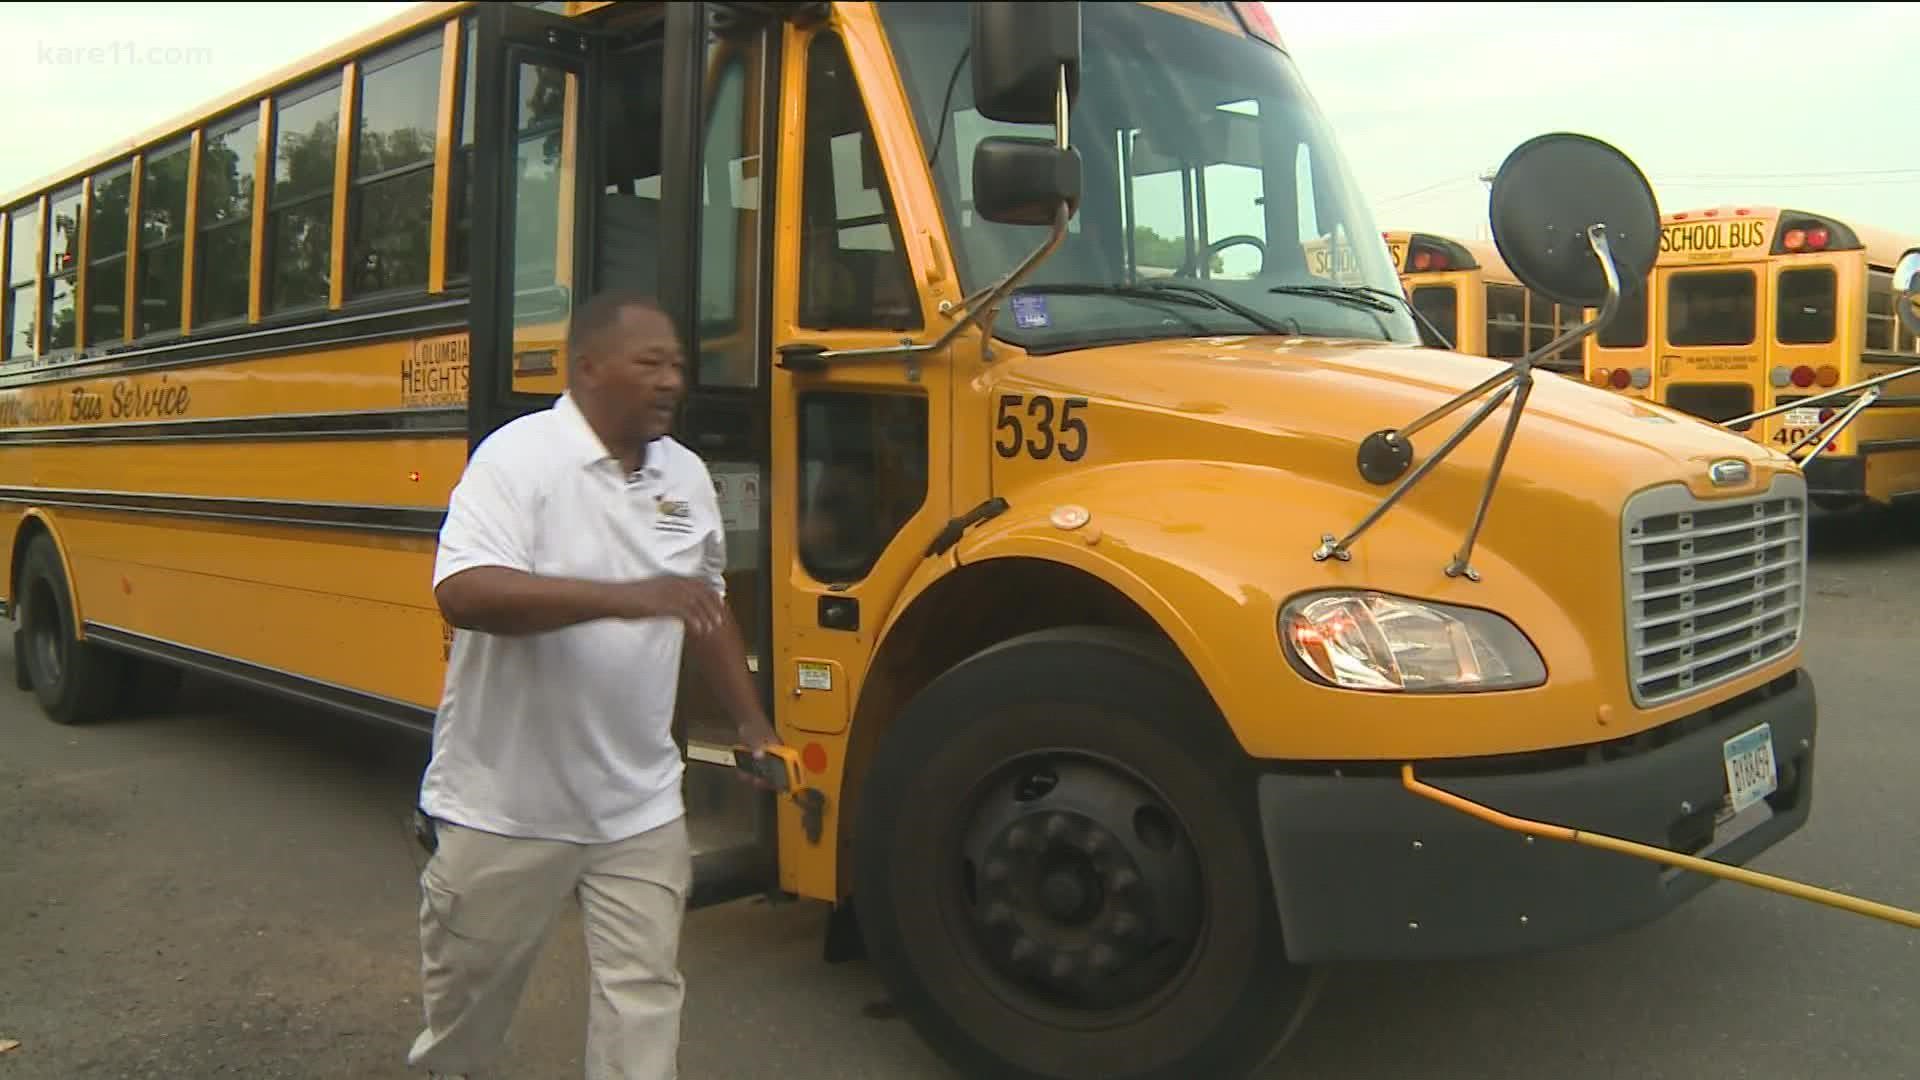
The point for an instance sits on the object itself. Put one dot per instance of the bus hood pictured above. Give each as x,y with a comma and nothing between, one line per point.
1305,404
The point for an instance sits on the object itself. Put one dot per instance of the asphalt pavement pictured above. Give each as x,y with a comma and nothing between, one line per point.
229,890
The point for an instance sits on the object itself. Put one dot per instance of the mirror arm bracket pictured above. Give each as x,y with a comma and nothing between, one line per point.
1519,375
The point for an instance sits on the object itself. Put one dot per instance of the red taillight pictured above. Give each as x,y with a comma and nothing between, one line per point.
1795,239
1440,260
1827,375
1621,378
1422,260
1803,376
1817,238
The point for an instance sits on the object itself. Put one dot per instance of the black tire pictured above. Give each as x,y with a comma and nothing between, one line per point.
77,682
1046,790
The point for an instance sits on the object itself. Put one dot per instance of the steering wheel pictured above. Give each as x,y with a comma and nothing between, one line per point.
1190,267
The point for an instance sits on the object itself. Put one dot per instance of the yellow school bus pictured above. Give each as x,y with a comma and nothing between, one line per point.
1467,295
1756,307
1114,613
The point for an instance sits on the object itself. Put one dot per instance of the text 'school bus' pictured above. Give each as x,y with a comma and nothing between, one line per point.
1075,598
1469,296
1757,306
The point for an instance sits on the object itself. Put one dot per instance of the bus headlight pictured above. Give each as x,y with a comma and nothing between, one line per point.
1370,641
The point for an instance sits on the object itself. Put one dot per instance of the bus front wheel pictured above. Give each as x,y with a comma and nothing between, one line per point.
1060,873
76,681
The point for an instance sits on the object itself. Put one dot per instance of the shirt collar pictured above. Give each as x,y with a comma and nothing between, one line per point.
581,445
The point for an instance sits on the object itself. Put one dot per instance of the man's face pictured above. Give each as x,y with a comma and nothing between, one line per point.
637,374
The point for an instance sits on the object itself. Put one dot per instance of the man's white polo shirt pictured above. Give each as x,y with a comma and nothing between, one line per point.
567,735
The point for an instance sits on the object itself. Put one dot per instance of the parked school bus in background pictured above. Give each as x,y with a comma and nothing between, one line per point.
1065,575
1759,306
1467,294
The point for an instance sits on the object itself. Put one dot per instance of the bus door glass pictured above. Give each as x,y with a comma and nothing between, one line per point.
1713,361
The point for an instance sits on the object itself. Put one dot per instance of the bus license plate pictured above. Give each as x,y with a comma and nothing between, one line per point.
1801,418
1750,772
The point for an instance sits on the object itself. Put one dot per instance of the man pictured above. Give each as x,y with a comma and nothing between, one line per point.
583,550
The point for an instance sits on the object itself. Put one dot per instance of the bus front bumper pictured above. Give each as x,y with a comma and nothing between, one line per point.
1365,869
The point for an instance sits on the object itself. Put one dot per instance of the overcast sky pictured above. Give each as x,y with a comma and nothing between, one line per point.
1717,103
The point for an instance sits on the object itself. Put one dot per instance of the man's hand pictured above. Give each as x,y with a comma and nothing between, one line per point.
692,602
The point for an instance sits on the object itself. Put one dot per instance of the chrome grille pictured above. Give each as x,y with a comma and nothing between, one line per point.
1714,587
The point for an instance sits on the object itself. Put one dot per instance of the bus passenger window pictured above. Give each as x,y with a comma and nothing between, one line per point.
63,272
306,133
391,207
1880,315
863,473
1806,300
1628,330
1506,321
853,270
163,245
225,247
24,249
1711,308
107,255
1439,305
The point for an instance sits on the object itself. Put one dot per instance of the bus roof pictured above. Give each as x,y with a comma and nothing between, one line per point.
1485,255
329,58
1883,246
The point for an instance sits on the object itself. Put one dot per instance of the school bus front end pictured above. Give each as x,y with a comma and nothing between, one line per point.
1125,762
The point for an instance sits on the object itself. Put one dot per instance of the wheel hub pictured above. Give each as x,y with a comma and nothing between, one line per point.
1082,886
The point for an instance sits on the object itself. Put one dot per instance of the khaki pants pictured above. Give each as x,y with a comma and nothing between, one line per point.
487,902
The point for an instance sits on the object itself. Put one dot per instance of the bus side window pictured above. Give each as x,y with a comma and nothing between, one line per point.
22,281
1506,322
853,269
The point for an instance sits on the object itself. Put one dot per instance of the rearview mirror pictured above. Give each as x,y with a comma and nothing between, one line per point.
1547,197
1020,181
1906,283
1018,53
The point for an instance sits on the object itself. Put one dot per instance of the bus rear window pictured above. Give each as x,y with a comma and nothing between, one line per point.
1628,330
1712,308
1439,305
1806,299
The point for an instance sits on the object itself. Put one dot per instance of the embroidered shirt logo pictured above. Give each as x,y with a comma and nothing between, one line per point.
674,515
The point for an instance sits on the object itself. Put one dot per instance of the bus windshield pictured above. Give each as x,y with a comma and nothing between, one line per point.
1205,166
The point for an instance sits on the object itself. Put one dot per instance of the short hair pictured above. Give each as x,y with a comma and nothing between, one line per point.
601,313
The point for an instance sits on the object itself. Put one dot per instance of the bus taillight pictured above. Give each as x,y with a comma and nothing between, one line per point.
1827,375
1803,376
1621,378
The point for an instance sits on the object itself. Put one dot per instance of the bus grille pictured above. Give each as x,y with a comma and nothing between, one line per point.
1715,588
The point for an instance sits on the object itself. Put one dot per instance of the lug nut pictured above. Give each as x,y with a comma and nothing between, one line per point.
1057,826
1102,958
997,870
1122,880
1023,949
1061,967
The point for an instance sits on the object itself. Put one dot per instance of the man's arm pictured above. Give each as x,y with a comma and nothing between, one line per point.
484,577
722,656
502,600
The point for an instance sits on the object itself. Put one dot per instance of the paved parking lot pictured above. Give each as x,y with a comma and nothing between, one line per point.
228,891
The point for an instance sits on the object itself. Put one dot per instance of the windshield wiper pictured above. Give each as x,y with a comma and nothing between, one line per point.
1181,288
1363,295
1353,294
1170,293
